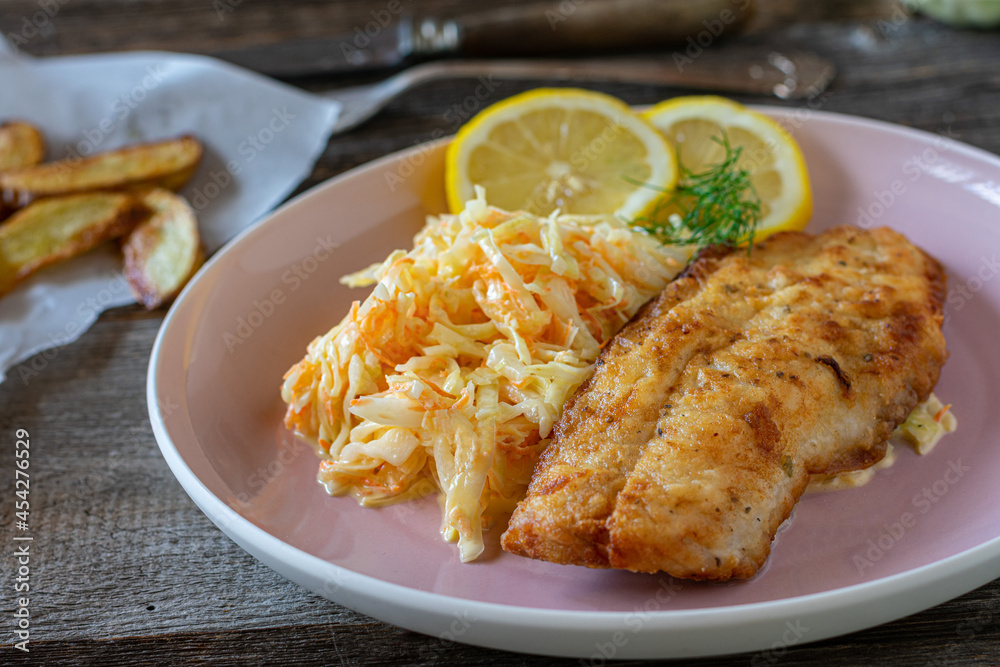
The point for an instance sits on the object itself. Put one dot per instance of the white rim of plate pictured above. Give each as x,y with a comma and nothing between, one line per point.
753,626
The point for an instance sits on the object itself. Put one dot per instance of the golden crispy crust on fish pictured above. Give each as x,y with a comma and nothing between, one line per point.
706,415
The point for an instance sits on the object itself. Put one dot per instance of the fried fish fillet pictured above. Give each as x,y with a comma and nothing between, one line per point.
708,412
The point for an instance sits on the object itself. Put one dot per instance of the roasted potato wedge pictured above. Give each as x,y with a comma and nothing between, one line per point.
166,164
164,250
21,145
55,229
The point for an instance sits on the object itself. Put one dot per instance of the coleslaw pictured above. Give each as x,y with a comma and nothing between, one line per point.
456,367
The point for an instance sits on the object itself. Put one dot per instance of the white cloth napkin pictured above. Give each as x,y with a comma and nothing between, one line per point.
261,139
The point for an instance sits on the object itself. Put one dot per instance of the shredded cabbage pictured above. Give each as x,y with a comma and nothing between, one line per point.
927,424
456,367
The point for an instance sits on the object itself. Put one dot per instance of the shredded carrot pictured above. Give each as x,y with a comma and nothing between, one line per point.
444,280
941,413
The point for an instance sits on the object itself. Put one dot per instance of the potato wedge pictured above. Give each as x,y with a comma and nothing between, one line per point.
21,145
164,250
55,229
167,164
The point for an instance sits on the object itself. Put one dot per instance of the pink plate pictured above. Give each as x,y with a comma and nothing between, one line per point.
922,532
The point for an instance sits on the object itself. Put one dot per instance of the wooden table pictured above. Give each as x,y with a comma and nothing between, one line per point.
126,568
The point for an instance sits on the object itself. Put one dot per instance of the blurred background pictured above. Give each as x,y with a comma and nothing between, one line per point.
893,62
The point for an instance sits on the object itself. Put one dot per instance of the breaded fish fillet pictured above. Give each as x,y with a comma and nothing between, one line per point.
708,412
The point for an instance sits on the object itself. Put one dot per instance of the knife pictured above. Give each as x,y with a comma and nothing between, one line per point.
391,39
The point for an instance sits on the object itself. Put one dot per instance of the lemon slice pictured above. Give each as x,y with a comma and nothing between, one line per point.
574,150
773,158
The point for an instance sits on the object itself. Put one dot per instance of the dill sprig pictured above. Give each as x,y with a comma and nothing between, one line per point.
717,205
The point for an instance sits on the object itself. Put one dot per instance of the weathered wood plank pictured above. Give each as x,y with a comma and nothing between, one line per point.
202,26
127,568
909,643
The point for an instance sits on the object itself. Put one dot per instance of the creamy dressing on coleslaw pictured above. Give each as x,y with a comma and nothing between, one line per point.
452,373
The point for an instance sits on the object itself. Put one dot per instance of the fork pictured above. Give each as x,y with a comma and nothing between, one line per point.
792,75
